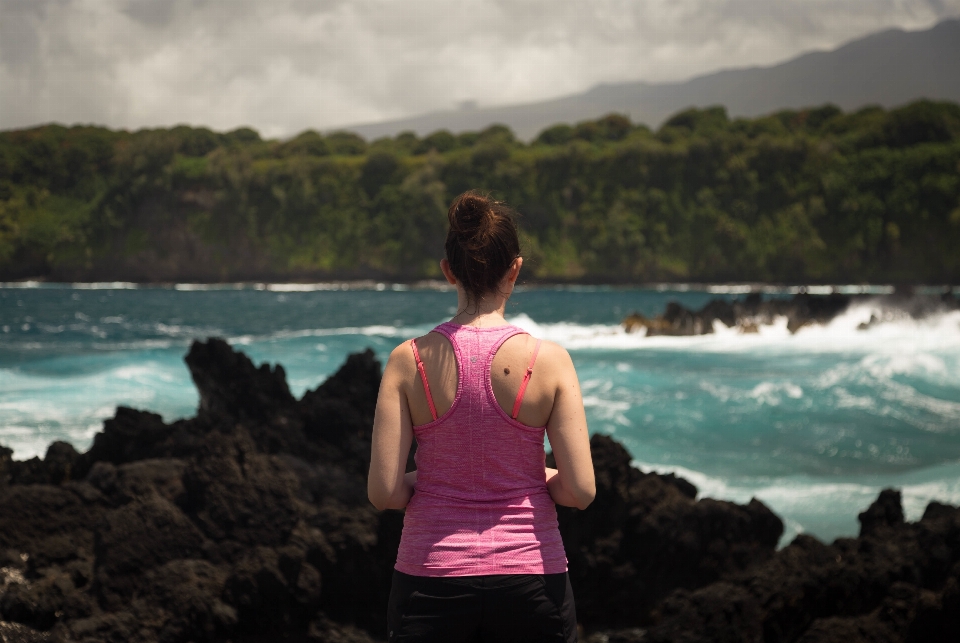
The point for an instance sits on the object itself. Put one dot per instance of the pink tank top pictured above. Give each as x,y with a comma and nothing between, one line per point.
480,505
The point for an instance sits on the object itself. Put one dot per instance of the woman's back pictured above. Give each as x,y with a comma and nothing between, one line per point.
481,503
506,374
475,450
480,555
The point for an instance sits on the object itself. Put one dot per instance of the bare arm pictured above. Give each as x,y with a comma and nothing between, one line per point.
573,483
387,485
560,495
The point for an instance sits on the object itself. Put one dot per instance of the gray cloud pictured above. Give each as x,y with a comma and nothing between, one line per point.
286,65
151,13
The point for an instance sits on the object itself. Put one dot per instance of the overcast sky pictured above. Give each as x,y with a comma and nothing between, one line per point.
282,66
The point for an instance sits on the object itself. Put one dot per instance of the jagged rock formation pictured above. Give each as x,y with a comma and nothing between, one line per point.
747,314
897,582
249,522
752,311
238,524
645,535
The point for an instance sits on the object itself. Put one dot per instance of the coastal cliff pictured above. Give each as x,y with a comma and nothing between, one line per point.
809,196
249,522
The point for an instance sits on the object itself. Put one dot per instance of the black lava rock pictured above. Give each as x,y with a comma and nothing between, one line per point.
249,522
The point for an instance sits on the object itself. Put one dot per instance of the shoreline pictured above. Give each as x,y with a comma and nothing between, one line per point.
250,521
783,496
717,288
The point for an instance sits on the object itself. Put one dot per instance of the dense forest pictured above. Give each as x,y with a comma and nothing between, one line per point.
816,195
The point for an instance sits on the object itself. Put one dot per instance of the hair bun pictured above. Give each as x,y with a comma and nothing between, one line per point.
482,242
471,218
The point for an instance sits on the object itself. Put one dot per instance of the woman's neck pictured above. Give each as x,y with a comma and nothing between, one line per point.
481,313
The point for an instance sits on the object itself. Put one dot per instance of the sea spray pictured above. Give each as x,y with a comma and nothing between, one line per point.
812,422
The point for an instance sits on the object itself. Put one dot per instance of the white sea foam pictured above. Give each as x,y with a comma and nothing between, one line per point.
189,287
573,335
818,289
846,400
902,337
20,284
181,335
369,331
767,392
202,287
106,285
828,506
305,287
894,370
432,284
36,409
606,410
771,393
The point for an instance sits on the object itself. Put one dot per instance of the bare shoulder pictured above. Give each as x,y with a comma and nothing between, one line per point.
400,361
554,365
401,353
554,356
426,344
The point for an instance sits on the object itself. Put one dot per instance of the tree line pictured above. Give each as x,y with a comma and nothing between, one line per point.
813,195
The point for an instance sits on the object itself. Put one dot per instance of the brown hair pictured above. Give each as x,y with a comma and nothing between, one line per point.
482,242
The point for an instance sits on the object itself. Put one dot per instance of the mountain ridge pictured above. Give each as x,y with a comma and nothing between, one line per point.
888,68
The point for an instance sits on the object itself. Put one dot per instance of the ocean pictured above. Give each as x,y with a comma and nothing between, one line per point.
814,424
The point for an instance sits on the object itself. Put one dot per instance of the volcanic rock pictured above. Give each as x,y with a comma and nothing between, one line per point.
645,534
747,314
897,582
249,522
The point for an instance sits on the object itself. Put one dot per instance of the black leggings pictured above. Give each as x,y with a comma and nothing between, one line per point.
526,608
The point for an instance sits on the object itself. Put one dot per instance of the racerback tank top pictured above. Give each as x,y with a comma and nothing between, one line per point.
480,505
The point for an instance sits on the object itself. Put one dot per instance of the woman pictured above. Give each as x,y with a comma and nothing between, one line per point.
480,557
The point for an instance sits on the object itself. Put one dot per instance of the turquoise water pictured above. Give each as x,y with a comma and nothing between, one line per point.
813,424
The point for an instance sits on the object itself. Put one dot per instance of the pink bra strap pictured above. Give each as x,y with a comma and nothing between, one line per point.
523,384
426,385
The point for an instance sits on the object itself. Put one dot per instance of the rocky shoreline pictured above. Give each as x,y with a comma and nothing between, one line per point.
249,523
749,313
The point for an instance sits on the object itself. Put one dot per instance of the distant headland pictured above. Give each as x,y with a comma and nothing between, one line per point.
799,196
